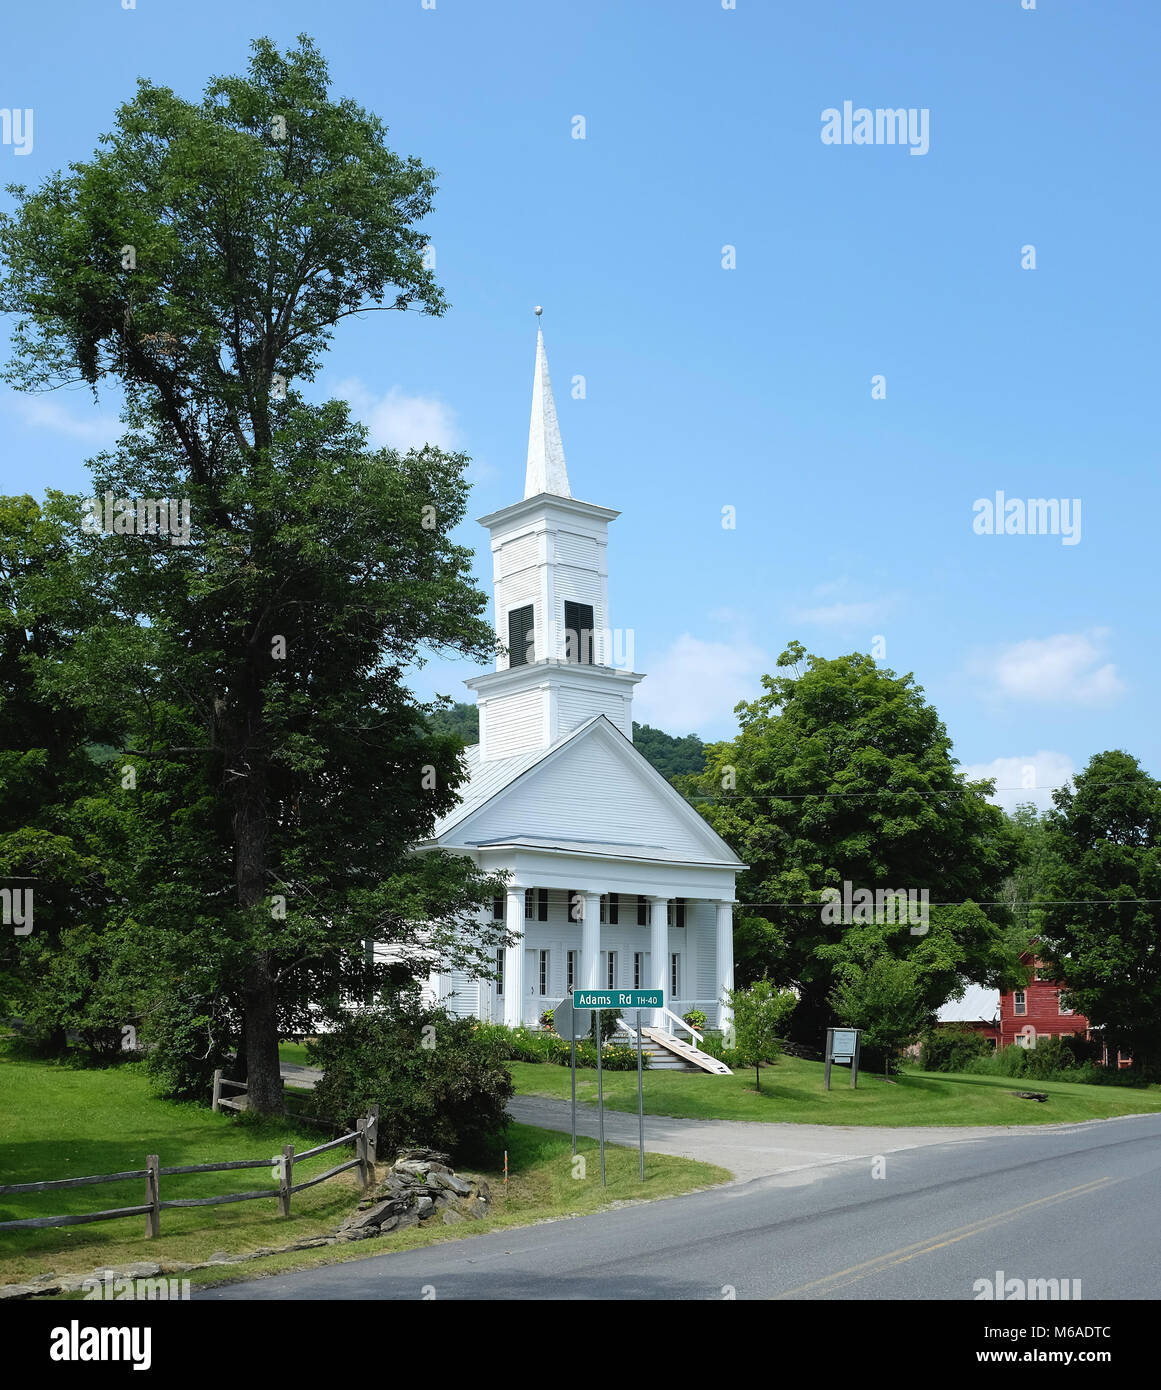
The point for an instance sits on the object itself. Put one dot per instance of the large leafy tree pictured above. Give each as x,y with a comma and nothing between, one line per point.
842,772
253,679
1100,926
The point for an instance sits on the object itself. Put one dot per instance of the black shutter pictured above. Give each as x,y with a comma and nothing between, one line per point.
614,908
498,908
542,904
578,627
519,630
680,912
642,911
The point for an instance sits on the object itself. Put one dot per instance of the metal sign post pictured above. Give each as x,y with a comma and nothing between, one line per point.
640,1101
598,999
600,1096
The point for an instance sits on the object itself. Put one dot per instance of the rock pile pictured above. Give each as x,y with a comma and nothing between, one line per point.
420,1186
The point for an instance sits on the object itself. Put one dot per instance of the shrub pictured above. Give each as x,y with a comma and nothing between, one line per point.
546,1020
951,1048
1049,1056
696,1019
437,1083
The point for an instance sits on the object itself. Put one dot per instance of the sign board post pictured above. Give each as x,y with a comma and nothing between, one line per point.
843,1045
640,1101
596,1000
567,1020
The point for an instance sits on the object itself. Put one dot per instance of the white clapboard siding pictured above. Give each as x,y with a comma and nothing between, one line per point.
588,793
514,724
517,554
578,550
575,706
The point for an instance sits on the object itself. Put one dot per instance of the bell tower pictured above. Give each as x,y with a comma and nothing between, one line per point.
551,595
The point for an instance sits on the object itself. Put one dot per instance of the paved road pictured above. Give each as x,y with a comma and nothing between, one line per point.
749,1149
1066,1202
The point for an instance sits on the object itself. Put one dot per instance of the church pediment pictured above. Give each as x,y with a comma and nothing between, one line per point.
592,789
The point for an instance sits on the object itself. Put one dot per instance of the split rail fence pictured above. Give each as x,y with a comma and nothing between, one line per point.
364,1137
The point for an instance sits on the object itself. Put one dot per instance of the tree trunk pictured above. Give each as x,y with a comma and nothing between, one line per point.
259,986
757,1079
263,1074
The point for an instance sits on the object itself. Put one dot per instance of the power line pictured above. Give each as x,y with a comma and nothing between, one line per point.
695,797
995,902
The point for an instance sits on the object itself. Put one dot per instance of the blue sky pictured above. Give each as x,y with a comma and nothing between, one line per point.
750,387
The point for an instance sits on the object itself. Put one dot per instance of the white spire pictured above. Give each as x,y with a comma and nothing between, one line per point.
546,471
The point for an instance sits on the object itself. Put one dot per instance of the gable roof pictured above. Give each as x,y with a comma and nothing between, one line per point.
489,782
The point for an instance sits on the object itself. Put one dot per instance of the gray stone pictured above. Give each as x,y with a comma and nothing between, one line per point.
441,1160
453,1184
16,1291
143,1269
424,1205
219,1257
452,1217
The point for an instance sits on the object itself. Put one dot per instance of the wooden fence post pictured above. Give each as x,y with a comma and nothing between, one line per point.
285,1180
373,1134
217,1088
153,1197
366,1177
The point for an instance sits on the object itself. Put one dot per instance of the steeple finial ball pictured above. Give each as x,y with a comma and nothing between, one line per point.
537,310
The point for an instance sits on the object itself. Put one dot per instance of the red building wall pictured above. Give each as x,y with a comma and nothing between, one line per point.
1041,1012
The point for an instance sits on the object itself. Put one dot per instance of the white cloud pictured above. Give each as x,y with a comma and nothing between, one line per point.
840,614
1011,776
45,413
1066,669
845,608
694,686
399,421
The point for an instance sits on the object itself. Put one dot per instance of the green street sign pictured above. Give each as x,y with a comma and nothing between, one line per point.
618,998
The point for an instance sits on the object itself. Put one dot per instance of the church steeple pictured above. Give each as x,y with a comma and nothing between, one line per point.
559,662
545,471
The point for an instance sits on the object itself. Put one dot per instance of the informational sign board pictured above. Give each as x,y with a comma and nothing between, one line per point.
618,999
842,1045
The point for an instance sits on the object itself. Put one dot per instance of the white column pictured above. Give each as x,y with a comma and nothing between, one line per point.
514,958
590,961
659,951
725,961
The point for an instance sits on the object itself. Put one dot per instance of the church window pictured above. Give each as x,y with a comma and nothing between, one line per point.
499,972
578,633
520,631
638,969
570,968
675,975
528,902
1020,1003
543,973
611,976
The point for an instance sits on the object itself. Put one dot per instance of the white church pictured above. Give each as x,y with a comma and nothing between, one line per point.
614,879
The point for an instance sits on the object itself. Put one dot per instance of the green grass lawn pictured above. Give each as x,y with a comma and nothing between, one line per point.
293,1052
58,1122
792,1090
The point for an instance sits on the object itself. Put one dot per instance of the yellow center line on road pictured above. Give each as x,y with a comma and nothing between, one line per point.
937,1242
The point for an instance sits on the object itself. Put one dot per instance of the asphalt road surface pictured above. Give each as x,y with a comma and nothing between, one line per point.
1080,1202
